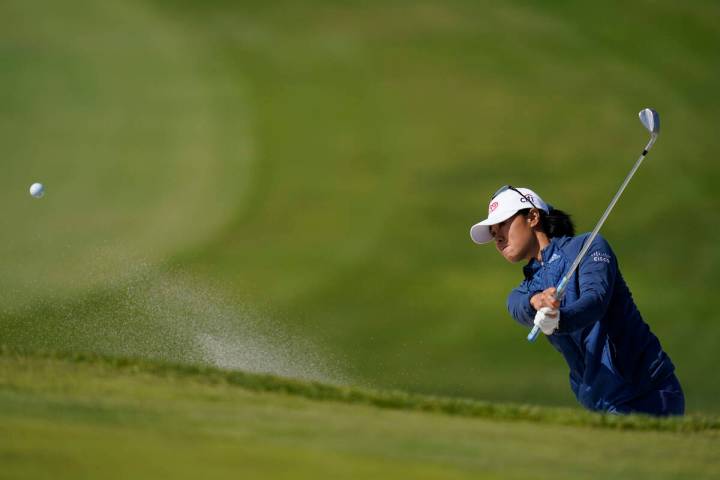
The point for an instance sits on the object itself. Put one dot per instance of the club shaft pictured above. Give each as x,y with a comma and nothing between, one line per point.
560,291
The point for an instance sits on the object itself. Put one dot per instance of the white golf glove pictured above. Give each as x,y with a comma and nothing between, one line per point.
547,319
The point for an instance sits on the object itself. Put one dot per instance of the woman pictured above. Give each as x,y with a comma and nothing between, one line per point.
616,363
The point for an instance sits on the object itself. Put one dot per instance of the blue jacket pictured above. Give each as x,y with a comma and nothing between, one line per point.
612,354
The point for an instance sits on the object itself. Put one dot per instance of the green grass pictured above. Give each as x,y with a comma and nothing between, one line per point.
80,416
392,399
298,178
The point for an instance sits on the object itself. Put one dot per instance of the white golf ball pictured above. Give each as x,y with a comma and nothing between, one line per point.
37,190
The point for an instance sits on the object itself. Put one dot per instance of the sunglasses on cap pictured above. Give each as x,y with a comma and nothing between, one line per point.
510,187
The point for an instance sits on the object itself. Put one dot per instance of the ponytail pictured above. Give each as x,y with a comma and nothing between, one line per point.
555,224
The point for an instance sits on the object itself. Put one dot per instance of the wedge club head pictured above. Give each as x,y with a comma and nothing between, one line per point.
651,120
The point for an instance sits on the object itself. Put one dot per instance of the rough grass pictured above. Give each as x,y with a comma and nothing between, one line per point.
83,416
392,399
321,163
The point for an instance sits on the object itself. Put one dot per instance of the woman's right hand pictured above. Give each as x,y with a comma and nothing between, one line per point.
546,298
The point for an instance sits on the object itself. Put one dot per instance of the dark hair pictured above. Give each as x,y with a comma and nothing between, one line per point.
555,224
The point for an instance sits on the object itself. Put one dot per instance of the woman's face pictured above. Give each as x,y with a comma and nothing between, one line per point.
513,237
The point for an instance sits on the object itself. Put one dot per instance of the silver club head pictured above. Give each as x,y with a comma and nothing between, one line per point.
651,120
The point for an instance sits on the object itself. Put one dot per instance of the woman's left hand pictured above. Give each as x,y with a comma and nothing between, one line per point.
547,319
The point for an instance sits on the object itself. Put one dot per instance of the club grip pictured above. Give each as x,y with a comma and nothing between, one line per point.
532,336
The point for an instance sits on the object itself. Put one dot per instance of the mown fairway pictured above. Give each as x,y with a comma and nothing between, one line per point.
287,187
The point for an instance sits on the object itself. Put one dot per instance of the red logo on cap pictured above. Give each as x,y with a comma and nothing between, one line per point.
492,207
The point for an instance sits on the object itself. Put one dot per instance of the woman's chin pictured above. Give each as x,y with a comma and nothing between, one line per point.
510,256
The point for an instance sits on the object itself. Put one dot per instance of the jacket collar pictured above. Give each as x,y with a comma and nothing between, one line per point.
546,254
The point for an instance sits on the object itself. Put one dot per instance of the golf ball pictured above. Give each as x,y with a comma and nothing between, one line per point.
37,190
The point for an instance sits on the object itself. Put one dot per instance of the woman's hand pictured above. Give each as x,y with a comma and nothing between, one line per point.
546,298
547,320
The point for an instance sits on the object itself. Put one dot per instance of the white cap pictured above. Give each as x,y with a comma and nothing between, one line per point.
504,206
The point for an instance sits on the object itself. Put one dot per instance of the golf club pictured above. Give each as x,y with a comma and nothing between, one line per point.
651,120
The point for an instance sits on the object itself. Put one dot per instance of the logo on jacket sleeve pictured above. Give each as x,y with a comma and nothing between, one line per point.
600,257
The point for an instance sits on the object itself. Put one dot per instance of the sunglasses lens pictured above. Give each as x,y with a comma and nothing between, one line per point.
500,190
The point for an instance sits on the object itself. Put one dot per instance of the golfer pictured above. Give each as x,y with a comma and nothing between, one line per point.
616,363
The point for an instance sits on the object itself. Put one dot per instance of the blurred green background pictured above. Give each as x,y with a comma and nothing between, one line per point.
288,186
